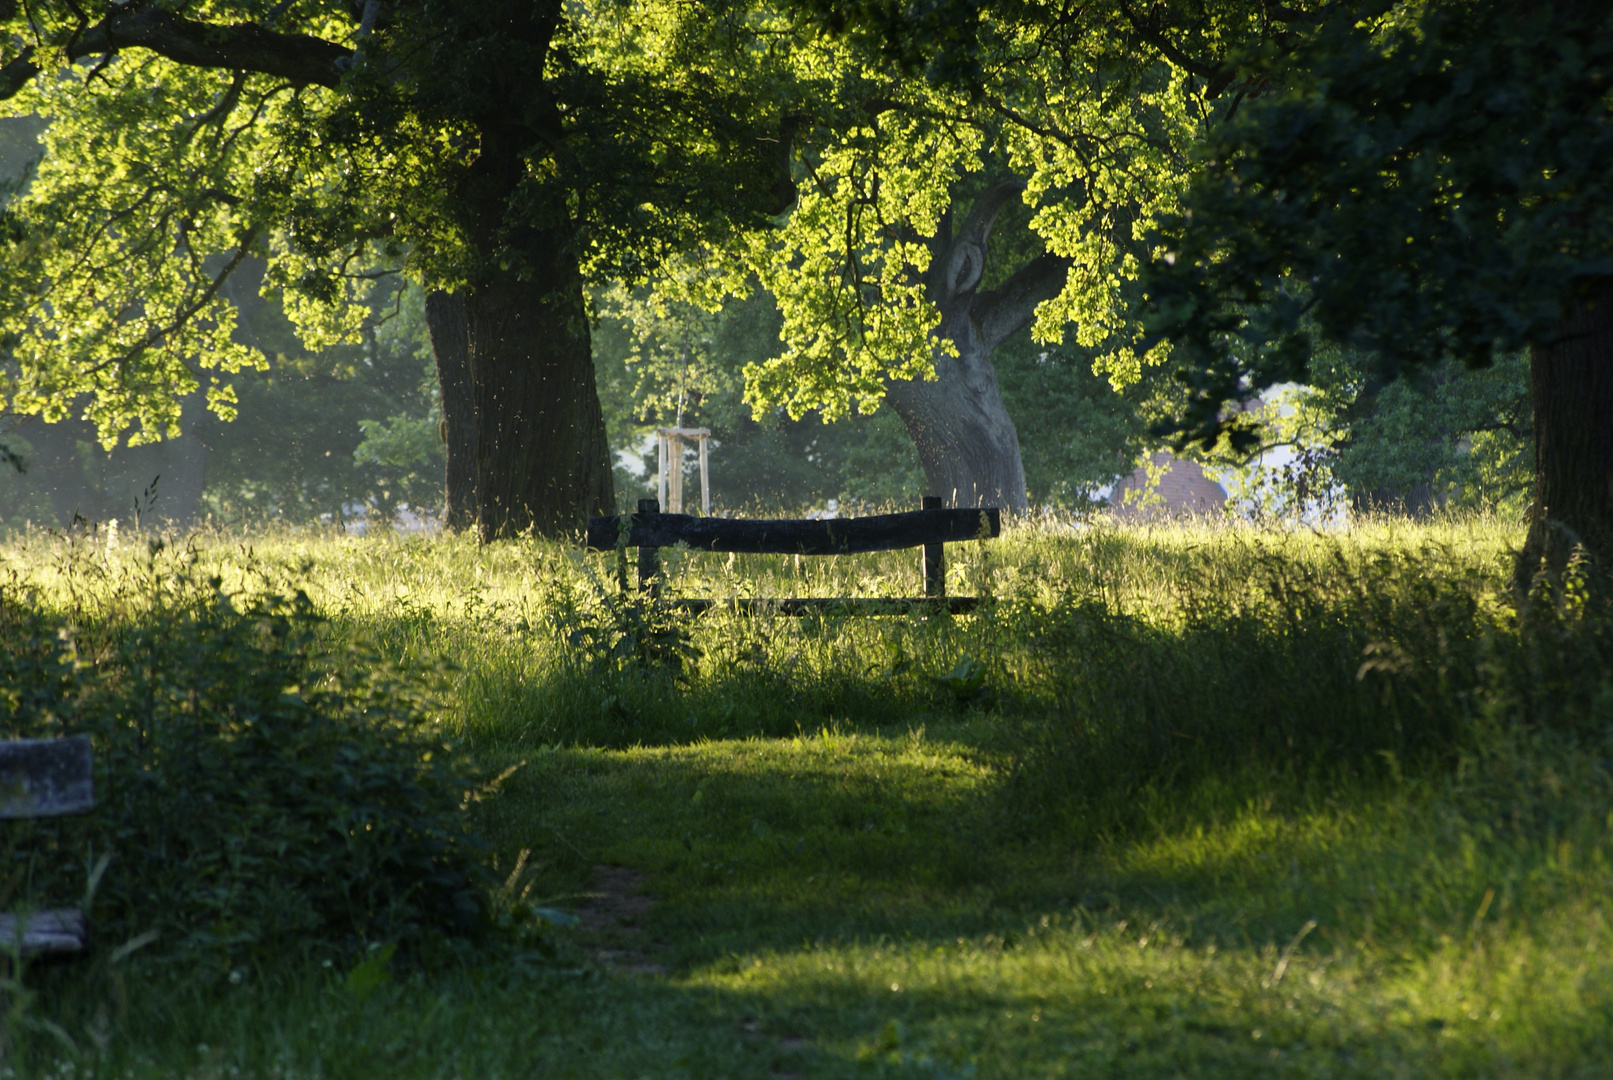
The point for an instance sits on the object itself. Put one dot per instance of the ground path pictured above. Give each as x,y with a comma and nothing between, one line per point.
856,904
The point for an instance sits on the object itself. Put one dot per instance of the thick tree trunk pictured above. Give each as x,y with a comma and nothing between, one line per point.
965,439
1571,380
542,459
445,319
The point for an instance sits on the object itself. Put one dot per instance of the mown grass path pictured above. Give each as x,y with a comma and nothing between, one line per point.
847,904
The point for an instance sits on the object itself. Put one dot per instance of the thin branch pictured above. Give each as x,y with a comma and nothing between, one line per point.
185,315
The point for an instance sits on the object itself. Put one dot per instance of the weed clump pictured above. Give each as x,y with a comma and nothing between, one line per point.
263,786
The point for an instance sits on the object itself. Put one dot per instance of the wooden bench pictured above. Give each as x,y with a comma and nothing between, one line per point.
41,778
928,529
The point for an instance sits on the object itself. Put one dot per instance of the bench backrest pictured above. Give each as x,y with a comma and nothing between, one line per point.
46,777
834,536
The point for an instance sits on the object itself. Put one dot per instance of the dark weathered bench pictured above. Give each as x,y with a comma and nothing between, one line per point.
929,529
41,778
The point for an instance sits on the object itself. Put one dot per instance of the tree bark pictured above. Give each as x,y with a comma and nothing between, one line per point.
542,458
966,441
445,319
1571,381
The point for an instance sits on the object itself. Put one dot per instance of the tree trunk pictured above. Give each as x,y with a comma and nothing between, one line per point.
445,319
965,439
1571,380
542,459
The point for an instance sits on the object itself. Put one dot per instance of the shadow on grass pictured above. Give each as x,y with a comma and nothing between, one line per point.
866,893
855,905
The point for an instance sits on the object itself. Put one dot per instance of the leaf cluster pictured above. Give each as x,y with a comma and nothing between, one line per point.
450,141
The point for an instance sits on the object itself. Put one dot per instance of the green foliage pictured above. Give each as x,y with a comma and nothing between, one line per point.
1444,436
322,433
1430,184
262,786
643,129
761,460
1076,431
1097,111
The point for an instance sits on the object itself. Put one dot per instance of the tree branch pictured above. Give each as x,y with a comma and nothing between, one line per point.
983,214
1009,308
184,316
958,261
16,74
297,58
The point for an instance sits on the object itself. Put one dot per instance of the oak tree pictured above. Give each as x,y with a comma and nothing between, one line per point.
500,153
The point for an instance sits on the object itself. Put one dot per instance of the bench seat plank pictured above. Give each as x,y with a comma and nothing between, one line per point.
57,930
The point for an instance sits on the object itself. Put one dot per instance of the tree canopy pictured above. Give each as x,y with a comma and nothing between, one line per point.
1428,183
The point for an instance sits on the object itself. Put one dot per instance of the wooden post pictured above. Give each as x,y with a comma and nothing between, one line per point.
660,471
674,457
649,558
705,480
932,563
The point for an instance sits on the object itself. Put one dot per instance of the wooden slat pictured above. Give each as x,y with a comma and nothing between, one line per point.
833,605
46,777
837,536
59,930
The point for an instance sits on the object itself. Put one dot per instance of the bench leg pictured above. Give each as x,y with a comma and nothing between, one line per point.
649,558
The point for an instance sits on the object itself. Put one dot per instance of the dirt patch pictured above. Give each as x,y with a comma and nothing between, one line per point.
613,920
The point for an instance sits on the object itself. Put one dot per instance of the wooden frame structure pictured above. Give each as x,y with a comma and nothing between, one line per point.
669,450
928,529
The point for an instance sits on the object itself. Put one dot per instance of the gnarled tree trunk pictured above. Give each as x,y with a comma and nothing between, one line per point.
445,319
965,439
1571,381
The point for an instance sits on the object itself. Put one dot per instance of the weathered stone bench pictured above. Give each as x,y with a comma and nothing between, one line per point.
929,529
42,778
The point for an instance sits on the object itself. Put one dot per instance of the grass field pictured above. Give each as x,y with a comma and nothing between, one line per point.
1180,802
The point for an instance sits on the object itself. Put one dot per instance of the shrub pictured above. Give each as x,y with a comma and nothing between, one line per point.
261,786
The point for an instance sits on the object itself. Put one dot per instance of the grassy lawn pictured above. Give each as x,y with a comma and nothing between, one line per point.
817,849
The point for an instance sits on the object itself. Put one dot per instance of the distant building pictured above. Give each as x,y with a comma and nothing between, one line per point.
1183,490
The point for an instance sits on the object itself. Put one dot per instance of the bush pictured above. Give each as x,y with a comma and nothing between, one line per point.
261,786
